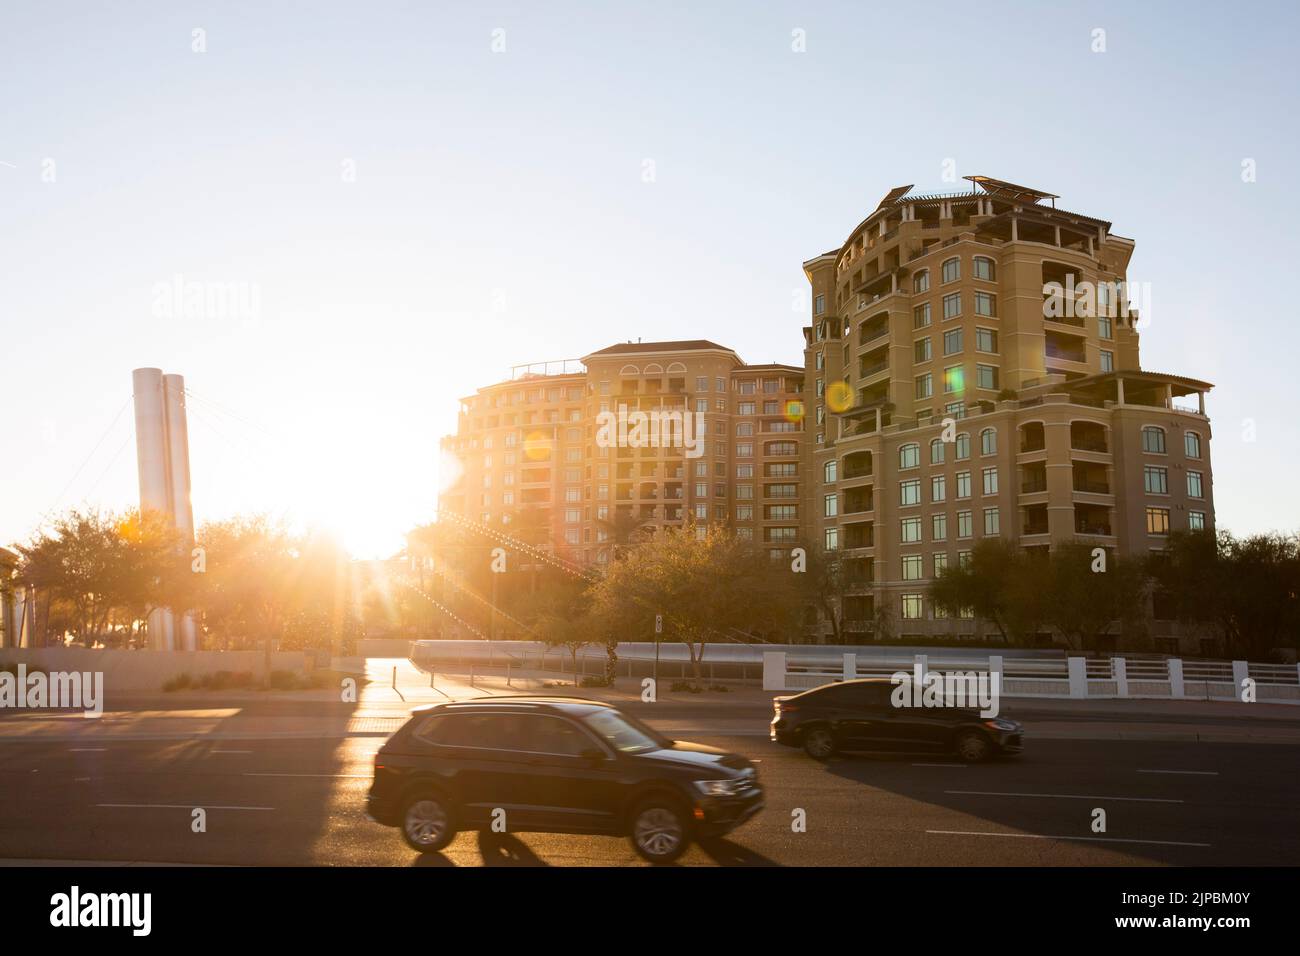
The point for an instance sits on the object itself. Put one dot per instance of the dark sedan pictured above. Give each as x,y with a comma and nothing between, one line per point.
859,715
559,765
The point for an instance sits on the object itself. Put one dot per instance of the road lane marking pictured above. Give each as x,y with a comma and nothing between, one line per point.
356,776
1063,796
178,806
1041,836
1194,773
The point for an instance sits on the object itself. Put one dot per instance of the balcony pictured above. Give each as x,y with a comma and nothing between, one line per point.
1088,436
1032,437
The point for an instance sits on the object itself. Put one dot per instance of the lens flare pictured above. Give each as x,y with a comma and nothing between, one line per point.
839,397
794,411
537,446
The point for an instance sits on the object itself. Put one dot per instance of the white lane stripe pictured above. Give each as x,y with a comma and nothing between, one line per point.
355,776
1194,773
1062,796
178,806
1041,836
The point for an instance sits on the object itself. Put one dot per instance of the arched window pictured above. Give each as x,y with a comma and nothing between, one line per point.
951,269
629,370
832,469
963,446
1191,444
988,442
1153,439
909,455
985,268
921,281
936,451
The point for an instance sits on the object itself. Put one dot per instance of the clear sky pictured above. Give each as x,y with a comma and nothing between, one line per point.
416,212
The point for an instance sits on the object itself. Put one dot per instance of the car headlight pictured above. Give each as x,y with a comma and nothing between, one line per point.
997,723
720,788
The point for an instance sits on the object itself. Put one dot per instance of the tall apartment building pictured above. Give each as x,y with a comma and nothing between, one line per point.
973,372
530,448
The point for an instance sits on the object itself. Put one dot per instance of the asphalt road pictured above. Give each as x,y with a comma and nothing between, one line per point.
284,801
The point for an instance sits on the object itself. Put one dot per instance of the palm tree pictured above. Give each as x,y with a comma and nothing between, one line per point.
625,528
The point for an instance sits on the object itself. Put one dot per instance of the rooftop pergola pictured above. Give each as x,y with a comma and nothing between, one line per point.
1138,387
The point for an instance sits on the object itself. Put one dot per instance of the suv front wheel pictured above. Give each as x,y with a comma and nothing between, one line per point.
660,830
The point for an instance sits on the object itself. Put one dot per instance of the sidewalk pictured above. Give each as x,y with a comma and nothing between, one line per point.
397,686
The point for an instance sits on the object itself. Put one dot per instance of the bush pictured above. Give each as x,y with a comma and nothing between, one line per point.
179,682
685,686
721,688
594,681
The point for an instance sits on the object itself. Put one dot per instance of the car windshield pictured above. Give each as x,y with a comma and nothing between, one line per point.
623,733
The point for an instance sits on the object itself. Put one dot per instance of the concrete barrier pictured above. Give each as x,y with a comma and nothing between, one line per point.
383,647
149,670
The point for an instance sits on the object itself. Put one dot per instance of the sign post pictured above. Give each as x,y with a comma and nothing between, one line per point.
659,629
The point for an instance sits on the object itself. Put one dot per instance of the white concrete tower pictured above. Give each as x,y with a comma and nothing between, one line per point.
163,460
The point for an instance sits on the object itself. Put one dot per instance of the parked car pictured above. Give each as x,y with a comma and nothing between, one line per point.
558,765
858,715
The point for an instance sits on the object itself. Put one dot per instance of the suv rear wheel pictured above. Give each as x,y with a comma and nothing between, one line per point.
819,743
660,830
427,823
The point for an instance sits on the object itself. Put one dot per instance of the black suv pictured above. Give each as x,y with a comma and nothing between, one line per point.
558,765
860,715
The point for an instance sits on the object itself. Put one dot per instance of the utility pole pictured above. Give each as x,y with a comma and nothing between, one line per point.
659,629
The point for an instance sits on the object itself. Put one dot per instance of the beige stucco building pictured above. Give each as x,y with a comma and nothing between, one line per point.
973,371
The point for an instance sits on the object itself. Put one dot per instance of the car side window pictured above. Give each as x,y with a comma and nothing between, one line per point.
489,731
554,735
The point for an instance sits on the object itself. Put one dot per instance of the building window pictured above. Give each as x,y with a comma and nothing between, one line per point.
1194,485
1191,444
921,316
832,506
963,446
965,528
909,492
939,527
1153,440
986,304
745,450
913,607
940,565
832,539
1196,520
909,456
986,376
830,470
1104,329
912,567
938,488
990,481
921,350
1158,521
952,342
989,442
1155,480
985,269
921,281
819,305
952,305
954,380
951,270
936,451
963,485
910,529
1107,361
744,512
991,522
924,384
986,340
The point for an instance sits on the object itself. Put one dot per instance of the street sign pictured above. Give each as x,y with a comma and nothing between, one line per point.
659,623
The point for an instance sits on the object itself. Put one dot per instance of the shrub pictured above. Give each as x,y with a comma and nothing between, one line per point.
595,681
178,682
685,686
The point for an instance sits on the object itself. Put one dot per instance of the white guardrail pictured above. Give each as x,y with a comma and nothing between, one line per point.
1065,677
